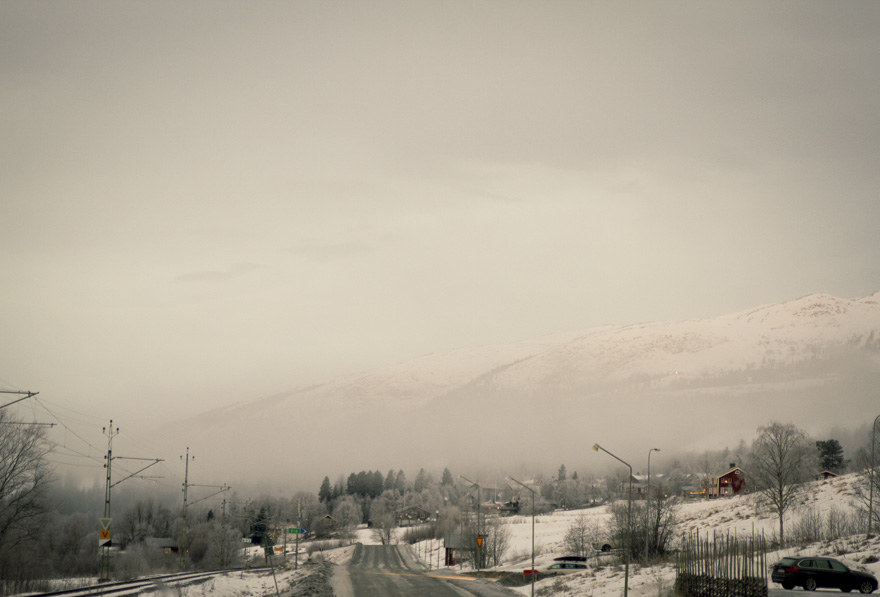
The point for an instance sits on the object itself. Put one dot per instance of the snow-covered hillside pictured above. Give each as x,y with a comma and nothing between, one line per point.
771,336
737,516
687,385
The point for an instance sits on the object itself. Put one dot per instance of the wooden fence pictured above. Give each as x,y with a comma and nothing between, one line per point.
721,566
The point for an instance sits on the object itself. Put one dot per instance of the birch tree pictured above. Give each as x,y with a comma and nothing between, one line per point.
782,459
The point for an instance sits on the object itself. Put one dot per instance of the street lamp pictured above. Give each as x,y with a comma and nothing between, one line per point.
596,448
873,466
509,478
648,503
479,553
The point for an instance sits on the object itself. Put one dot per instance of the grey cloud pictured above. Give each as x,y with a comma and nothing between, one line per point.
232,271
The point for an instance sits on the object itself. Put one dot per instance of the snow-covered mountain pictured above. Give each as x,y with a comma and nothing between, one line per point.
769,338
813,361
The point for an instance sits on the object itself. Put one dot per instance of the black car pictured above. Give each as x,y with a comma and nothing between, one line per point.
581,559
811,572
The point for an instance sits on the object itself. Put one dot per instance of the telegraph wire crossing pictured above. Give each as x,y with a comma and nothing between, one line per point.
64,452
72,452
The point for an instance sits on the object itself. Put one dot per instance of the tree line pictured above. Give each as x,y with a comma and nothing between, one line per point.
49,529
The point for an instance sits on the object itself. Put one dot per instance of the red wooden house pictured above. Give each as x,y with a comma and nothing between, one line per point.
733,482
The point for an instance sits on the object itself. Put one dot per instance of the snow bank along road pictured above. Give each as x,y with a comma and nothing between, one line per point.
391,571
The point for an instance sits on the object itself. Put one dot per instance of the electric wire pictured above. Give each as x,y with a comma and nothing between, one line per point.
67,428
9,386
65,425
62,452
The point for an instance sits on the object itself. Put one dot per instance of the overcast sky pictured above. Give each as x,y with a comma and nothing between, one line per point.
209,202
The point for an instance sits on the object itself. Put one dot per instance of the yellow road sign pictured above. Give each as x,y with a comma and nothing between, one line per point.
105,534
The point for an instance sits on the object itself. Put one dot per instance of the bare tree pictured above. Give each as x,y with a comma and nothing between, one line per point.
706,468
137,522
868,497
496,542
581,534
24,480
781,461
657,523
661,522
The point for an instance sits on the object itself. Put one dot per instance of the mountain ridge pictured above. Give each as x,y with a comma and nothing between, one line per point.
618,353
814,360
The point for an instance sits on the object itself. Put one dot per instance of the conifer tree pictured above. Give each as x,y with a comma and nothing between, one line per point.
325,493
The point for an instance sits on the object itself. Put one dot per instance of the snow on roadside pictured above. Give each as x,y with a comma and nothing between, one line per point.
243,584
737,516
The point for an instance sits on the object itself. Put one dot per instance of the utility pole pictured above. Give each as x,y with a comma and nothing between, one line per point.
299,524
223,540
105,522
186,485
628,538
648,504
182,546
104,541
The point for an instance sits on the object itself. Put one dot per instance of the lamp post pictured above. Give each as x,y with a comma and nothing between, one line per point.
873,466
479,552
648,503
509,478
596,448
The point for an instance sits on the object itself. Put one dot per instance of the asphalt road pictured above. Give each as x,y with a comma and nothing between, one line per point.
392,571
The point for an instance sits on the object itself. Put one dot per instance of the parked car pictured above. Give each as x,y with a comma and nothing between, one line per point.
812,572
562,568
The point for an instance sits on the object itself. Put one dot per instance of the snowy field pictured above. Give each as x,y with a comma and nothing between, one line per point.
739,516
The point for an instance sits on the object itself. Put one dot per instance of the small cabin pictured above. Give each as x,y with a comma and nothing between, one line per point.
324,528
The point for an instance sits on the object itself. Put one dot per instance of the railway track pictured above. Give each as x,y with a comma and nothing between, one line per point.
147,584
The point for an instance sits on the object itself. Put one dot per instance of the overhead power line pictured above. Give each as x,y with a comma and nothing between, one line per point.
25,397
